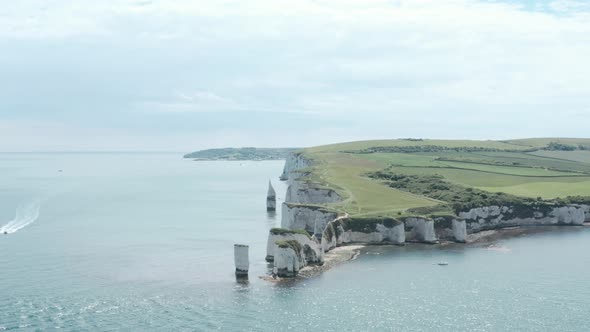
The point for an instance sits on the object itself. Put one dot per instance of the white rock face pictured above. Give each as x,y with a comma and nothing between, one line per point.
395,235
586,209
303,192
491,217
294,162
459,230
421,230
312,251
311,219
287,263
241,259
271,198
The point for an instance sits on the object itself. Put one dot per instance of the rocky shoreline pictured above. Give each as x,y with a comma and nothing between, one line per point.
350,252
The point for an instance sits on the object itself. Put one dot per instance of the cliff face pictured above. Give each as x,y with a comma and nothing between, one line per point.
290,252
287,263
492,217
311,250
420,230
339,232
586,209
303,192
310,218
294,162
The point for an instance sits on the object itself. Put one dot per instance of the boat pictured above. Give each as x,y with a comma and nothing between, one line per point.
443,263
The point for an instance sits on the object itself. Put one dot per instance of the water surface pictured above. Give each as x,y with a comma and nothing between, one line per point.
145,242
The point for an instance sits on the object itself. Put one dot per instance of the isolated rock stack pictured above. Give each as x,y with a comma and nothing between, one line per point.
241,260
271,198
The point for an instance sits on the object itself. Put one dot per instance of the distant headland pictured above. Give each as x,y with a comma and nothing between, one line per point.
246,153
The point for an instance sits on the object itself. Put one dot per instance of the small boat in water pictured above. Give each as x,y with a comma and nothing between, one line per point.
443,263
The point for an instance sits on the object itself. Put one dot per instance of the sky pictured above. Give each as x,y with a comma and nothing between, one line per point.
183,75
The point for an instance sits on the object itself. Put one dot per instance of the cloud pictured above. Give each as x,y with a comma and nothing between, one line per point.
198,101
426,67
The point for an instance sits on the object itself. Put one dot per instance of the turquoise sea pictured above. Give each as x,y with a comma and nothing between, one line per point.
144,242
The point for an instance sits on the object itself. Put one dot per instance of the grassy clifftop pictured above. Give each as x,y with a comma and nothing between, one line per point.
389,178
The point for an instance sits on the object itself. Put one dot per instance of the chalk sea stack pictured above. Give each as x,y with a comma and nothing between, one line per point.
271,198
241,260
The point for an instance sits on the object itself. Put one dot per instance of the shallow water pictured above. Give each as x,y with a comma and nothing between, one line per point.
145,242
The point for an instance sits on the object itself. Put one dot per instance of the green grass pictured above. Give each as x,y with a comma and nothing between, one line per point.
510,167
284,231
575,156
363,196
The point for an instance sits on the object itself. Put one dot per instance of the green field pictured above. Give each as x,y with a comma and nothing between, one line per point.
399,177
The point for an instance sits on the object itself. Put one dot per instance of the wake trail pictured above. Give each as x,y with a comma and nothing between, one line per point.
26,214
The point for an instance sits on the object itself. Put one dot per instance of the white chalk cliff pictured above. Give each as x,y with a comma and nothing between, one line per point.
271,198
310,246
310,218
302,211
493,217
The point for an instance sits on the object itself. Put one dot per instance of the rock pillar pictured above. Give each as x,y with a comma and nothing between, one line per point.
241,260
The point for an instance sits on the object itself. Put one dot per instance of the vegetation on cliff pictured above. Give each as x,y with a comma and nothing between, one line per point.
285,231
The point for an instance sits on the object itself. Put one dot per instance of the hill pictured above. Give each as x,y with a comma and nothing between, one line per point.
392,178
247,153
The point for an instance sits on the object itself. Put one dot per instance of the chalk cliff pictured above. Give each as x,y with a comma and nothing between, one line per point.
312,252
294,163
291,248
420,230
310,218
306,192
493,217
344,230
288,262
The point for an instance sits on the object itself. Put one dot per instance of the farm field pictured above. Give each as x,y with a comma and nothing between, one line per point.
393,177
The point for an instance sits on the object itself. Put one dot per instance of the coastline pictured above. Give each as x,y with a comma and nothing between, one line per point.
350,252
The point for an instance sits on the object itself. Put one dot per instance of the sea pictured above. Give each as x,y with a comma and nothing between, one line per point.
144,242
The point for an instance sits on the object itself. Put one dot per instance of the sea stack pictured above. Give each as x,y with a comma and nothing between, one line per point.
241,260
271,198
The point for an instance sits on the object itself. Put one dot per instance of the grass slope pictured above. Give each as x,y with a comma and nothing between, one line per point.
527,169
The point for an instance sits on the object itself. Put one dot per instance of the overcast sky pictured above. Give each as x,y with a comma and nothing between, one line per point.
182,75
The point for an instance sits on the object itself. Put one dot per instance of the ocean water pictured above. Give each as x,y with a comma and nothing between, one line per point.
144,242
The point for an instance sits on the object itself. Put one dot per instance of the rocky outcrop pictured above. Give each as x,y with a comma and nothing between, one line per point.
586,209
241,260
295,162
310,218
420,230
287,262
450,228
271,198
312,253
493,217
344,230
459,230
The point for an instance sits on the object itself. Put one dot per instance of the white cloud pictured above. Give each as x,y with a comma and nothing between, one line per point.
403,61
198,101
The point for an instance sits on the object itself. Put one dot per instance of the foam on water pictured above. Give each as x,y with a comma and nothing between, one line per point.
26,214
